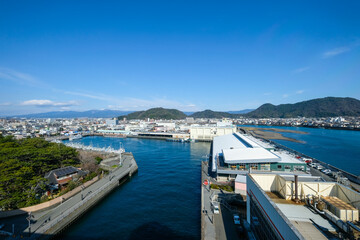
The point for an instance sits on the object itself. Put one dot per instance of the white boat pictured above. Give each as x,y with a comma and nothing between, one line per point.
74,137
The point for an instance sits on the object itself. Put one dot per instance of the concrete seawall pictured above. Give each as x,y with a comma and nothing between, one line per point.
57,219
64,220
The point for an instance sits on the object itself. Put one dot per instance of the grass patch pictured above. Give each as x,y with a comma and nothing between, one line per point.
222,187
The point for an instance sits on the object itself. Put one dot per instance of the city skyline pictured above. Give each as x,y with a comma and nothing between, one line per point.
122,56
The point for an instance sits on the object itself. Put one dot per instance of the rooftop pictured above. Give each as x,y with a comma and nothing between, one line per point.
302,216
248,155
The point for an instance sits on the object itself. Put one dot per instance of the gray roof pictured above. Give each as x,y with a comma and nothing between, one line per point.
61,172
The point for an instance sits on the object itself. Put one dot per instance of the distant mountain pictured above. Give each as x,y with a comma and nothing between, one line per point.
157,113
75,114
212,114
321,107
241,111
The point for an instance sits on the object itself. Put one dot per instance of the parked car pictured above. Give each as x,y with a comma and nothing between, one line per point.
313,165
326,171
237,219
215,207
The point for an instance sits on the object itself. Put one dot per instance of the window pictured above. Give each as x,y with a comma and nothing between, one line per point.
254,166
265,166
279,167
287,168
242,166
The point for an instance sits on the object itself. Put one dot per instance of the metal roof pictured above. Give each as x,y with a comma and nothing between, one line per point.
249,155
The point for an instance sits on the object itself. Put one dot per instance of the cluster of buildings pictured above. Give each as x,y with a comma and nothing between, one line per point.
189,128
329,122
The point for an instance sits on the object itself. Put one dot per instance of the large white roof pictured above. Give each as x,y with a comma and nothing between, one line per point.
248,155
224,142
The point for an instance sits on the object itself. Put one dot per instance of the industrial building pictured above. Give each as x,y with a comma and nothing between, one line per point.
236,153
207,133
294,207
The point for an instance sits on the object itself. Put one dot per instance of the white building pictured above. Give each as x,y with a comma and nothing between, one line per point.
111,122
209,132
236,153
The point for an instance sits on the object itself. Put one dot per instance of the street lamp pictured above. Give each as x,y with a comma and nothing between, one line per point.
121,147
29,220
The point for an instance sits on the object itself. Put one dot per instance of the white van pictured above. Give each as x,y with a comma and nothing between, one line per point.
215,207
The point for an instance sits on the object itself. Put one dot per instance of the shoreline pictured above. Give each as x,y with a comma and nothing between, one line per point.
319,127
272,133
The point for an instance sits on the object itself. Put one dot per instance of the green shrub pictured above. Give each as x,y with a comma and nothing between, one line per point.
98,159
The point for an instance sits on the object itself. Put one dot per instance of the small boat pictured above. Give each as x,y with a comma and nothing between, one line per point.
74,137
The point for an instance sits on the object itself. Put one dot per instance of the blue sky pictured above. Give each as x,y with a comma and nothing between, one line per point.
189,55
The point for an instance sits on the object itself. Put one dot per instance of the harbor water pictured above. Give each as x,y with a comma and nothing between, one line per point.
162,201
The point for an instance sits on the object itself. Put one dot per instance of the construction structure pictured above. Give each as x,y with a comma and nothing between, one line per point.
293,207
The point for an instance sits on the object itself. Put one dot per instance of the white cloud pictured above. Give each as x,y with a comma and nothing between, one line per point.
6,104
335,52
300,92
48,103
300,70
89,95
267,94
285,95
19,77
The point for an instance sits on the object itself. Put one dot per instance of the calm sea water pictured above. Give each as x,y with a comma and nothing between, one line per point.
162,201
340,148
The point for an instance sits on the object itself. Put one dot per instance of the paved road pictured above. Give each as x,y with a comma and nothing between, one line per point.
208,231
40,219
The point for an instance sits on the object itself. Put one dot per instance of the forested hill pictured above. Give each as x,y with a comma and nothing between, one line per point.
212,114
157,113
321,107
23,164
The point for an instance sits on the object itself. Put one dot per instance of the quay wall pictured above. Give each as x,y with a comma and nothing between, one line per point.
67,218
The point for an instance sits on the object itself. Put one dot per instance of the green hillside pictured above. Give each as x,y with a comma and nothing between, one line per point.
157,113
321,107
23,164
212,114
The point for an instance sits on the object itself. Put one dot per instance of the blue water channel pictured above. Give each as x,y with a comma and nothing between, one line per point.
340,148
162,201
